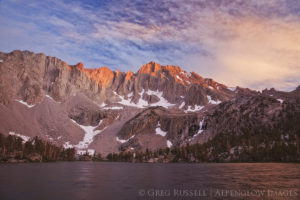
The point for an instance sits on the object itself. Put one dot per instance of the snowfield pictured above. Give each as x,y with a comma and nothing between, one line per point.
127,102
143,103
90,132
162,102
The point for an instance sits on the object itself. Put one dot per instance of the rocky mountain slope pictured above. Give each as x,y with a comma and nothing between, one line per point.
111,111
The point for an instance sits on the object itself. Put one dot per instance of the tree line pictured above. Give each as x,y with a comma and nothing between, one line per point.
34,150
263,146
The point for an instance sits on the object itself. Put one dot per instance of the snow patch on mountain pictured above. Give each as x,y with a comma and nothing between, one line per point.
130,95
162,101
232,88
211,101
158,131
196,108
178,77
200,129
143,103
68,145
123,141
88,138
25,103
103,105
49,137
48,96
114,108
127,102
169,143
86,151
24,138
181,105
187,74
280,100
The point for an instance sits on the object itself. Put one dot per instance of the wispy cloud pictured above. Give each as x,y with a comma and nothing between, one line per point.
253,43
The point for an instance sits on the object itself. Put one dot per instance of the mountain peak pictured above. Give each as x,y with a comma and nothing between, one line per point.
79,66
153,62
150,68
102,75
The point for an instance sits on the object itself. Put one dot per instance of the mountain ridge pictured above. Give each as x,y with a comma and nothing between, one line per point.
157,78
108,111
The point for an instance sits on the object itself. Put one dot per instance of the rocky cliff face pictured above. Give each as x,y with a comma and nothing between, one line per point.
264,112
111,111
165,127
29,77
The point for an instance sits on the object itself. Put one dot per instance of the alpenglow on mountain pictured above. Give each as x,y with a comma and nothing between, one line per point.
105,111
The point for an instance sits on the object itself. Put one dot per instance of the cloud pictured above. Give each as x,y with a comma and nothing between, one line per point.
252,43
264,51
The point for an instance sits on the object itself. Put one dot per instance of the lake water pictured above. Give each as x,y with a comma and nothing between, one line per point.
105,180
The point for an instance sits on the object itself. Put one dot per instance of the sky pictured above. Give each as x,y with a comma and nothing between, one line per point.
250,43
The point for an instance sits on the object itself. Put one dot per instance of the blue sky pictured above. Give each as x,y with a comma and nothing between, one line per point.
253,43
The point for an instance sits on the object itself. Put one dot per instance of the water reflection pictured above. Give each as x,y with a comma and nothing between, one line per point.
88,180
